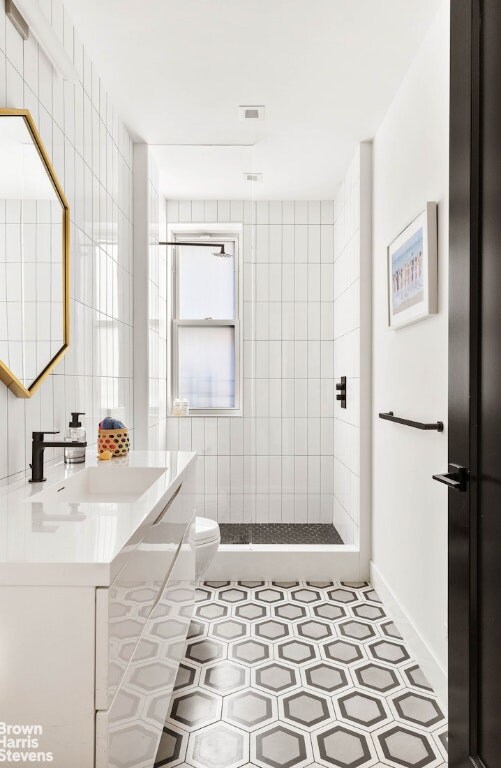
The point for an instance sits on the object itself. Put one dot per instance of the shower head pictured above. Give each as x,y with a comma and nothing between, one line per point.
221,254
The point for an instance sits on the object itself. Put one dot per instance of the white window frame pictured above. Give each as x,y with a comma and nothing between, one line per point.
217,236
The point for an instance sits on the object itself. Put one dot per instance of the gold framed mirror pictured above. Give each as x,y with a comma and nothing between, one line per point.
34,257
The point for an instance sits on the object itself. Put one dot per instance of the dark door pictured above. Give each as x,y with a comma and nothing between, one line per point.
475,385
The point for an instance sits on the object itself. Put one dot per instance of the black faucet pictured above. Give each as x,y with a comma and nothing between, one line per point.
38,446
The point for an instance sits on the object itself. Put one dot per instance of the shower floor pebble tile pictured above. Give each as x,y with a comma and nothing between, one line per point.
297,674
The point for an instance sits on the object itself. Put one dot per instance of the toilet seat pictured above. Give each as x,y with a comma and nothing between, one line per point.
204,531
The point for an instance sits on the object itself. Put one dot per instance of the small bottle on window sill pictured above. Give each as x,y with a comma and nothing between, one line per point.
185,407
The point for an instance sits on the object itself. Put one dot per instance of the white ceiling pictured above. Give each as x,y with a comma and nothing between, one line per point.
326,71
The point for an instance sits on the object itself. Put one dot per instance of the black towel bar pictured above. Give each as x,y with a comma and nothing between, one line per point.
436,425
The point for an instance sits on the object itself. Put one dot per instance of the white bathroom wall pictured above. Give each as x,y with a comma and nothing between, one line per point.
150,305
352,254
92,155
274,463
410,365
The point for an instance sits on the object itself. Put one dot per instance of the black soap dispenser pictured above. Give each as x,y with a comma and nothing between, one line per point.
75,432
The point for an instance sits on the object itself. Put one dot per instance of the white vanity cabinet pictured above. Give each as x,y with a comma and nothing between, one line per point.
91,656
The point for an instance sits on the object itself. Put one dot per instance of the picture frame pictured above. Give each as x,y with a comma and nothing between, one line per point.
412,271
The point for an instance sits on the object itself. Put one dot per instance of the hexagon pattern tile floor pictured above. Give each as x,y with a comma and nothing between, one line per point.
293,674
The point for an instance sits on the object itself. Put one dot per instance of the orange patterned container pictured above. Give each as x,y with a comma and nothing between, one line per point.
115,440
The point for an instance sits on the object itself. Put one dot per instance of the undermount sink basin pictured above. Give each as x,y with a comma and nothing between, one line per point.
104,484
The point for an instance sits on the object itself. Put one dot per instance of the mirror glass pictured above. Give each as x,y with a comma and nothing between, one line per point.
32,257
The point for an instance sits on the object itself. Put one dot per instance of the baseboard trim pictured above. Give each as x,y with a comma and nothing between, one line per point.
417,646
282,563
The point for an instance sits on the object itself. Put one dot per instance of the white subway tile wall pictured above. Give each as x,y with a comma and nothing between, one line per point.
276,462
92,154
346,360
157,314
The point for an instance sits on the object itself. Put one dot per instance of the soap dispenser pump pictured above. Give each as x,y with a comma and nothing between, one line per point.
75,432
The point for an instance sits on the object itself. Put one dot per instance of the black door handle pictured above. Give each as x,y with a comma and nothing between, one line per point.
456,478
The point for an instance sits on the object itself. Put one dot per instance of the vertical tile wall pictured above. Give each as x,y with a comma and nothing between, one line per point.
157,314
351,230
92,155
275,463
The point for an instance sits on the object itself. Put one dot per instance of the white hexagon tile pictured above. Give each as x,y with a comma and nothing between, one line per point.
292,674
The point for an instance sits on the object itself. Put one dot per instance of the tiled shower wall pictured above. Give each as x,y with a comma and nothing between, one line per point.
92,155
275,463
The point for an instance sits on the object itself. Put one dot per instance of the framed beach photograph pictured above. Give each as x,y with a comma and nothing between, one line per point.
412,271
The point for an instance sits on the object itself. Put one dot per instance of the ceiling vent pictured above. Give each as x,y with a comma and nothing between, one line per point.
253,176
251,112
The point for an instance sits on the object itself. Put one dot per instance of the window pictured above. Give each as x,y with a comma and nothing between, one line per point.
206,348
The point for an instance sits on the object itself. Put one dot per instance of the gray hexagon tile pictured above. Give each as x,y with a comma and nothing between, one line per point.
250,709
250,611
305,709
211,611
225,677
343,747
195,709
362,709
296,651
368,612
205,651
356,630
275,677
228,629
290,612
269,595
250,651
326,677
233,595
343,651
271,630
342,595
377,677
280,746
219,746
390,652
405,747
314,630
329,611
306,595
289,675
418,709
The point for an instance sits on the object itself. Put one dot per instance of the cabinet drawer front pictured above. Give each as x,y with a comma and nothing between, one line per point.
123,609
128,733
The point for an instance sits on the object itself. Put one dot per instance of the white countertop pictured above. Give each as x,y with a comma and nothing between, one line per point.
80,544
